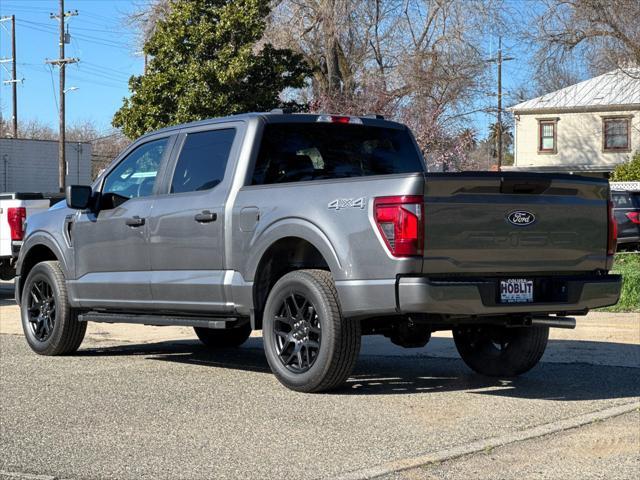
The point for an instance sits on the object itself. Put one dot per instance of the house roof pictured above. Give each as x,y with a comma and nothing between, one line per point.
615,88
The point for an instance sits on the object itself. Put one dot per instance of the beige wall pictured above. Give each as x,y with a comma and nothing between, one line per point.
579,139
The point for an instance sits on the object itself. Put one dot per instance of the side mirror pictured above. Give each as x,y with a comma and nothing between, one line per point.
78,196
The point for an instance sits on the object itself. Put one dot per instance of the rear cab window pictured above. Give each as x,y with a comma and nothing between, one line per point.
297,152
626,200
202,161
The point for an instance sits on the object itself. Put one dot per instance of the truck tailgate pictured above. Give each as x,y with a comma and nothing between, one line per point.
486,222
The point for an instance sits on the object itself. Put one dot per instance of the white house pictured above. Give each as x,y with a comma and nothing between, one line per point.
588,127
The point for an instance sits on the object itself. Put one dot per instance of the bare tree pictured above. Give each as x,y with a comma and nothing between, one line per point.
144,18
418,61
31,129
605,34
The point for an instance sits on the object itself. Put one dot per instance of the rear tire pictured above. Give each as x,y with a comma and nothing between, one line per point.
7,272
310,347
499,351
223,338
50,325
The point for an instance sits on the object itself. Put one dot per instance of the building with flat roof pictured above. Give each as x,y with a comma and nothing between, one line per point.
32,165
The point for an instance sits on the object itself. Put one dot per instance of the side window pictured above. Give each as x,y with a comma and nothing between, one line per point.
136,174
203,160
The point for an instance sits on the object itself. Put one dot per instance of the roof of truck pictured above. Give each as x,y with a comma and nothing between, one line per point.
278,116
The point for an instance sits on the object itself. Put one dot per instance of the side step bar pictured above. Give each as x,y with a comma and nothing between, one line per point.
157,320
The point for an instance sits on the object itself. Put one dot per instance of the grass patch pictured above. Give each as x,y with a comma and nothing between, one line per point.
628,265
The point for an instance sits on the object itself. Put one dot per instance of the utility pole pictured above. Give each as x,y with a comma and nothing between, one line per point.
61,62
499,61
14,72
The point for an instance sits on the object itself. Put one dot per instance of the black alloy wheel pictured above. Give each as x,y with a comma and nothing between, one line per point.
41,310
298,333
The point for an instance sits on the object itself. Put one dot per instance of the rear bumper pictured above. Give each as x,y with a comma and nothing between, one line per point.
479,297
624,240
15,248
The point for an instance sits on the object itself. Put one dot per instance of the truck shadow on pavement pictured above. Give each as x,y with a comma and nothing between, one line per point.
397,375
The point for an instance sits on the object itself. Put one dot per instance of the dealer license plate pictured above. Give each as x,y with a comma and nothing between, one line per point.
516,290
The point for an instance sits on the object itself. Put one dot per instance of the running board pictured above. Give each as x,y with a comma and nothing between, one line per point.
157,320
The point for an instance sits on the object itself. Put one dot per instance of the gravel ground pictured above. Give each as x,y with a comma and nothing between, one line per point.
159,408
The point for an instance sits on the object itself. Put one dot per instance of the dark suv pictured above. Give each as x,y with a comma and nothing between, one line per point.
626,209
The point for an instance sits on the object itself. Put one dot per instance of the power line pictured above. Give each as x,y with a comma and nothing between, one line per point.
53,88
41,27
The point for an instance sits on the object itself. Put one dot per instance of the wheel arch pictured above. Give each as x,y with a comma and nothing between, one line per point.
280,257
37,249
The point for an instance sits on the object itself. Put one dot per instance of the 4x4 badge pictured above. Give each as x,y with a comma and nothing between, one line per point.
340,203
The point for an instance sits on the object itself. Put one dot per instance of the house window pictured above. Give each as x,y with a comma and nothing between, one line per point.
615,134
547,136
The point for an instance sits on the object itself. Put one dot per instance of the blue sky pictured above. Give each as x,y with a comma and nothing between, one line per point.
100,39
107,53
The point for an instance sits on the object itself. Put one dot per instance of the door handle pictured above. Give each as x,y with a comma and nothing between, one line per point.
206,216
135,221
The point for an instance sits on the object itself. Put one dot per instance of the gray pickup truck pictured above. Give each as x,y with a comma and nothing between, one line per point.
317,229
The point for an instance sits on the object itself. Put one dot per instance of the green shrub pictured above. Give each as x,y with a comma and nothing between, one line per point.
629,171
628,265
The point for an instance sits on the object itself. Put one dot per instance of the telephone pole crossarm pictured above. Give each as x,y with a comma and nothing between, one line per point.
62,61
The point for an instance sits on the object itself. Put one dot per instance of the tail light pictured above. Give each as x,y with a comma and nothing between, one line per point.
612,230
401,224
338,119
634,217
16,217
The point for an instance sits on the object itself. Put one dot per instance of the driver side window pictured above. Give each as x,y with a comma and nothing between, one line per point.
136,175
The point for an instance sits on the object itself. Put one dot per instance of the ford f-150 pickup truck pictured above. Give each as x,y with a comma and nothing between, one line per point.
317,229
15,207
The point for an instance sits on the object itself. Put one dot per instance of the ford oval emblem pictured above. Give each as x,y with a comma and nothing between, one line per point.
521,218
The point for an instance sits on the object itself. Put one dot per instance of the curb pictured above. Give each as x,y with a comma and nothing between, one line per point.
489,443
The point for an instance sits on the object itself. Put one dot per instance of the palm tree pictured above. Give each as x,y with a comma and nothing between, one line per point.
495,131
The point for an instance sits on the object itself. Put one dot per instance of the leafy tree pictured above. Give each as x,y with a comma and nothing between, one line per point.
629,171
205,62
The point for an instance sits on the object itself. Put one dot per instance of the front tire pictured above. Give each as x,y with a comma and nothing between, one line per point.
310,347
498,351
50,325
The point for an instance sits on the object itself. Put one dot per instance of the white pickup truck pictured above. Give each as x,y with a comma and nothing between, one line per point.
14,210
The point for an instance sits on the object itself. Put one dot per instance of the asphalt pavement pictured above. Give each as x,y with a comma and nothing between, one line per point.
173,409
